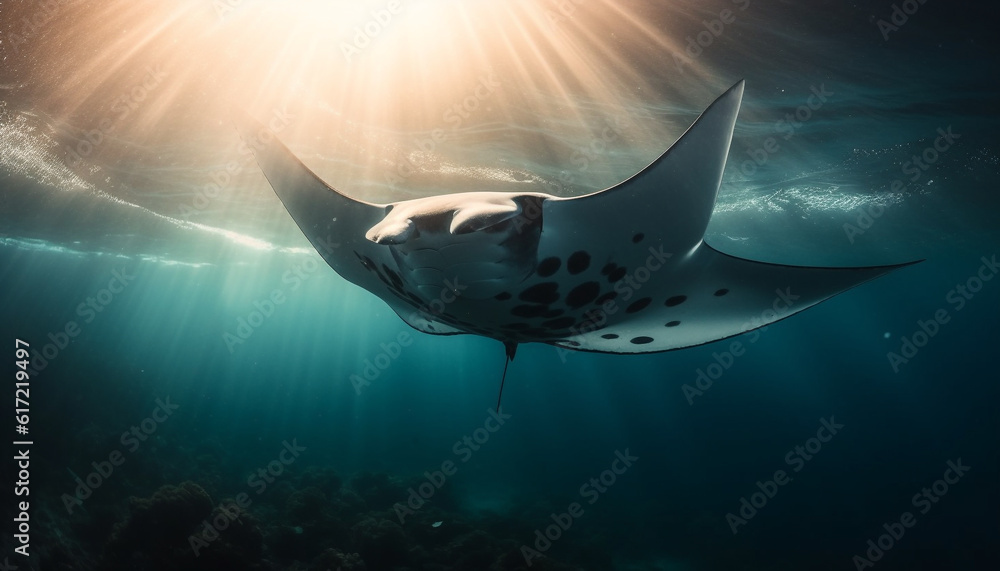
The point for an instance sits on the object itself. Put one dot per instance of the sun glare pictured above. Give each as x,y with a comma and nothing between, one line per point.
351,74
365,58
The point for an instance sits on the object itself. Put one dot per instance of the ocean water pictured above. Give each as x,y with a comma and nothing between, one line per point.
189,351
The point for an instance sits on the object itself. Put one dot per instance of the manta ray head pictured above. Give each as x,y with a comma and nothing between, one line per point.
477,244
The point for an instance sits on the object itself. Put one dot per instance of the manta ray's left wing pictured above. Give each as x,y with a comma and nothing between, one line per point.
335,225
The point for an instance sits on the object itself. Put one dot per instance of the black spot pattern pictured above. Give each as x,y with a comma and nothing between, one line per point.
583,294
545,292
721,292
673,323
609,336
515,326
617,275
548,266
641,340
608,269
502,296
553,313
578,262
638,238
560,323
638,305
676,300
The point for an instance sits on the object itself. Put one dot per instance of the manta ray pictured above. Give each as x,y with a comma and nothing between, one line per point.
622,270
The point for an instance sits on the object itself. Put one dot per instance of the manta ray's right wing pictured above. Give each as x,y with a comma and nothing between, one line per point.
642,267
714,296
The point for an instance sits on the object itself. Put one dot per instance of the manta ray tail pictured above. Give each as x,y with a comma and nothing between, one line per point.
511,349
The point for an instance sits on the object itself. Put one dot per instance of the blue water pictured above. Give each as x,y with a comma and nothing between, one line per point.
168,288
